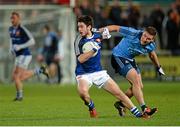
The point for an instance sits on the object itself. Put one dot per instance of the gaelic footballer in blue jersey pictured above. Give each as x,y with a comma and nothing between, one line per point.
20,41
133,43
89,70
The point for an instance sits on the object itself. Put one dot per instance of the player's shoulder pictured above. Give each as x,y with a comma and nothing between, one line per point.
97,35
22,27
78,38
52,33
129,31
78,35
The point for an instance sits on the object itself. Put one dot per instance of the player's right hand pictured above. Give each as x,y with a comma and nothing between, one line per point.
106,34
16,47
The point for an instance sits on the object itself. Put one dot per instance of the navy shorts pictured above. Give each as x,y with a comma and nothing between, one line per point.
122,65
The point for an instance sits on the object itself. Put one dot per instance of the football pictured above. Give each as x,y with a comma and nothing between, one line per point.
88,46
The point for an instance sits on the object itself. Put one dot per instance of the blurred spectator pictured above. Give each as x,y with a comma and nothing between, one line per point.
173,30
115,13
105,18
124,19
77,11
157,17
96,13
85,8
133,15
178,6
145,21
49,54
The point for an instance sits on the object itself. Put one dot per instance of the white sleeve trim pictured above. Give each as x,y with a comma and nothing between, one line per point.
31,40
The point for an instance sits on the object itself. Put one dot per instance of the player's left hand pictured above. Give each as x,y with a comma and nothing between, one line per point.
106,34
16,47
160,71
95,46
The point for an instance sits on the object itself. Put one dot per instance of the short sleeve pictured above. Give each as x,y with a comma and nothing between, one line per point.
151,47
128,31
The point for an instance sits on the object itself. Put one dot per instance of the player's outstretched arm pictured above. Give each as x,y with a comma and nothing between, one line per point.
111,28
154,59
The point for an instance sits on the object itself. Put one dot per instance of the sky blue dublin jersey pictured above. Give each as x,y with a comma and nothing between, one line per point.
91,65
20,35
130,45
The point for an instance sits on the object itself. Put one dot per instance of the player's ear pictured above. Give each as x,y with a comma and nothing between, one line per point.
89,27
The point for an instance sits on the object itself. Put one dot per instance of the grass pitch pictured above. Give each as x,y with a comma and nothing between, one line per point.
61,105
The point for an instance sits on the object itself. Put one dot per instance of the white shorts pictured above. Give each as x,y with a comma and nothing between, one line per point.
97,78
23,61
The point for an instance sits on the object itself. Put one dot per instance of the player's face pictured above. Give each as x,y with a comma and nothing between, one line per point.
83,29
146,38
15,20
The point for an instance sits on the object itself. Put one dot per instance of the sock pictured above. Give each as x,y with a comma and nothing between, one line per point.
19,94
90,105
143,106
136,112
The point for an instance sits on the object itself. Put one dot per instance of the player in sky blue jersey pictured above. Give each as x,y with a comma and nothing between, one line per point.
133,43
20,41
89,70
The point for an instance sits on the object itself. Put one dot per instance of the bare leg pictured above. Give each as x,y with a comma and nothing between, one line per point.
114,89
129,91
133,77
26,74
83,89
19,86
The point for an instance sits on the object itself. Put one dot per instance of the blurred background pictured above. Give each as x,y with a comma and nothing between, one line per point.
60,18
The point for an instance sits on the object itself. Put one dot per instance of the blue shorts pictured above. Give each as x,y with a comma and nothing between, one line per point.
122,65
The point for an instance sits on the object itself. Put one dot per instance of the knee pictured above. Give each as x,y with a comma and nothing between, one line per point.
136,83
21,77
14,77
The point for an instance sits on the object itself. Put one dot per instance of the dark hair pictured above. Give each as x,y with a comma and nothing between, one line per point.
46,27
88,20
151,30
15,13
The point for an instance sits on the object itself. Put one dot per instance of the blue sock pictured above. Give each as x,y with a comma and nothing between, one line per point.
136,112
90,105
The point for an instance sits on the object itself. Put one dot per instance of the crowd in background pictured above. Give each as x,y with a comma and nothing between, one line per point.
131,16
167,22
20,2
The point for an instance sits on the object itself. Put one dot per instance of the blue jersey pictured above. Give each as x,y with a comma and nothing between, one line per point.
130,45
91,65
50,47
20,35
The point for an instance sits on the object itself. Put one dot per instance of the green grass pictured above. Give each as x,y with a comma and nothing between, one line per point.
60,105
